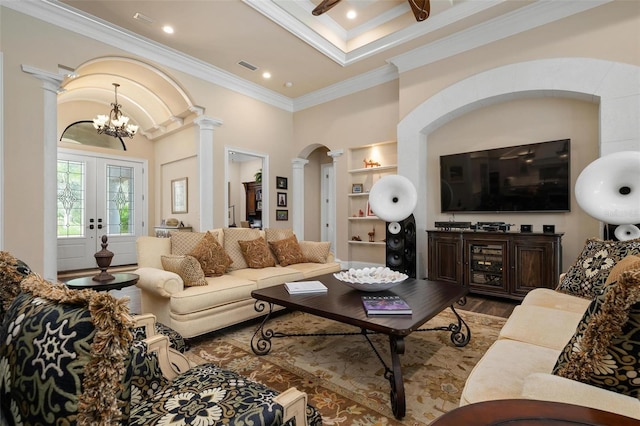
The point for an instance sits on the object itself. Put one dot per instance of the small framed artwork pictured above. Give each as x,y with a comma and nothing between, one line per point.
179,195
357,188
282,199
282,214
369,211
259,205
281,182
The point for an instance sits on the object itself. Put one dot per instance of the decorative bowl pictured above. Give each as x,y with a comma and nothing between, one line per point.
371,279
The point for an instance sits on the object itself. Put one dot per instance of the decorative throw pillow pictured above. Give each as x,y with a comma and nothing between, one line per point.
276,234
12,272
605,350
231,238
187,267
64,356
586,277
314,251
211,255
257,253
628,263
184,242
288,251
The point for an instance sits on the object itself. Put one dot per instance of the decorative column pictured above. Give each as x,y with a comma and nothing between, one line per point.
297,189
206,169
51,84
333,213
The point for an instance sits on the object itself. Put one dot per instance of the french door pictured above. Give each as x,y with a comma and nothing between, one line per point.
98,196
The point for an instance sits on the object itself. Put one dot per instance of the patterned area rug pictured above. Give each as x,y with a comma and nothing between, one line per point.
342,375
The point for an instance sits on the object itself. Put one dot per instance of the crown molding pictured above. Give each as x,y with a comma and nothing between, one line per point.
66,17
526,18
347,87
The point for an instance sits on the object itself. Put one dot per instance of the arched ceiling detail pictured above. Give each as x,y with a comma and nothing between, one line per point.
151,98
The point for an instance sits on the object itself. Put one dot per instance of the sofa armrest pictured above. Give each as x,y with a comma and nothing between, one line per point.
158,281
171,362
549,387
294,404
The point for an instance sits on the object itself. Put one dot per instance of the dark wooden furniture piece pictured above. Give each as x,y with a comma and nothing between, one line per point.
253,194
505,264
120,281
343,304
529,412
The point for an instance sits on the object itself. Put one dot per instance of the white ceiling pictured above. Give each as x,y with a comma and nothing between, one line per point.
322,57
284,38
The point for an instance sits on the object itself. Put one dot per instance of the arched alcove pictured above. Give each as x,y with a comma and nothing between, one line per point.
613,86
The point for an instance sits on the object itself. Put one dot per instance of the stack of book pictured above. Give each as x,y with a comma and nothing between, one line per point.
385,305
304,287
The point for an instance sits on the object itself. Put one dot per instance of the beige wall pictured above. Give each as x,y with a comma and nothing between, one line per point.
515,123
608,32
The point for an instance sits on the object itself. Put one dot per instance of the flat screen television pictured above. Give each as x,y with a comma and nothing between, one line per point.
523,178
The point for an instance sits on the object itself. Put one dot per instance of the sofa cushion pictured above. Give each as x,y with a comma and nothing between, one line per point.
288,251
315,251
502,370
218,291
184,242
270,276
232,247
213,259
187,267
551,328
547,298
256,253
64,355
310,270
150,250
605,350
586,277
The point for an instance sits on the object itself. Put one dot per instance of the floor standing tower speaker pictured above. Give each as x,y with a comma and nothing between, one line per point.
401,246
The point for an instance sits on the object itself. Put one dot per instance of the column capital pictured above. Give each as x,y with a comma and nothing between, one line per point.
335,153
50,81
299,163
207,123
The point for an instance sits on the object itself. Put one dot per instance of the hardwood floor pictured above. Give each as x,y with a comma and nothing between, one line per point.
489,305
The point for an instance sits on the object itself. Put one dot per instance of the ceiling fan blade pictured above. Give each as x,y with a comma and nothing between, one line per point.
420,8
324,6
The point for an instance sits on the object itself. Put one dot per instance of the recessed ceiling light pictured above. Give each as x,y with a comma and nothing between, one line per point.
352,14
288,84
266,74
167,29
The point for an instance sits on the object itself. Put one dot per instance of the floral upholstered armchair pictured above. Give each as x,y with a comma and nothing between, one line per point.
70,357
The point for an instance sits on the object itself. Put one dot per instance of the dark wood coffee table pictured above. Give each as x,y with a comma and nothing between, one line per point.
120,280
343,304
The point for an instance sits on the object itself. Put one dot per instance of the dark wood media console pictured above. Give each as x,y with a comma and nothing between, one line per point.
504,264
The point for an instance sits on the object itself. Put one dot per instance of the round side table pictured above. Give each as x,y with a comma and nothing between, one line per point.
120,280
530,412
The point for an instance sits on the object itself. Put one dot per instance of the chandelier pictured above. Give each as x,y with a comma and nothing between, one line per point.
115,124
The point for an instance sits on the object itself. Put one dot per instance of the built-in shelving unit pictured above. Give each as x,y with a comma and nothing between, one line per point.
382,158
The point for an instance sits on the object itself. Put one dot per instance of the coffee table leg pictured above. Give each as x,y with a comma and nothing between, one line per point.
261,340
460,333
398,402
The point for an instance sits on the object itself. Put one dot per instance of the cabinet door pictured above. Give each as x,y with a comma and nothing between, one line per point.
445,258
486,266
535,264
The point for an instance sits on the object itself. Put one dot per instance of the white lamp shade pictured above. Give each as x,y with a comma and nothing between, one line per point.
393,198
608,189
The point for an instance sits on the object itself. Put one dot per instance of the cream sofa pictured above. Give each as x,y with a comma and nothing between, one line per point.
225,300
520,363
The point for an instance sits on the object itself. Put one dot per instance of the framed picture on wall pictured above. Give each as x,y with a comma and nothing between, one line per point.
179,195
282,199
281,182
282,214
